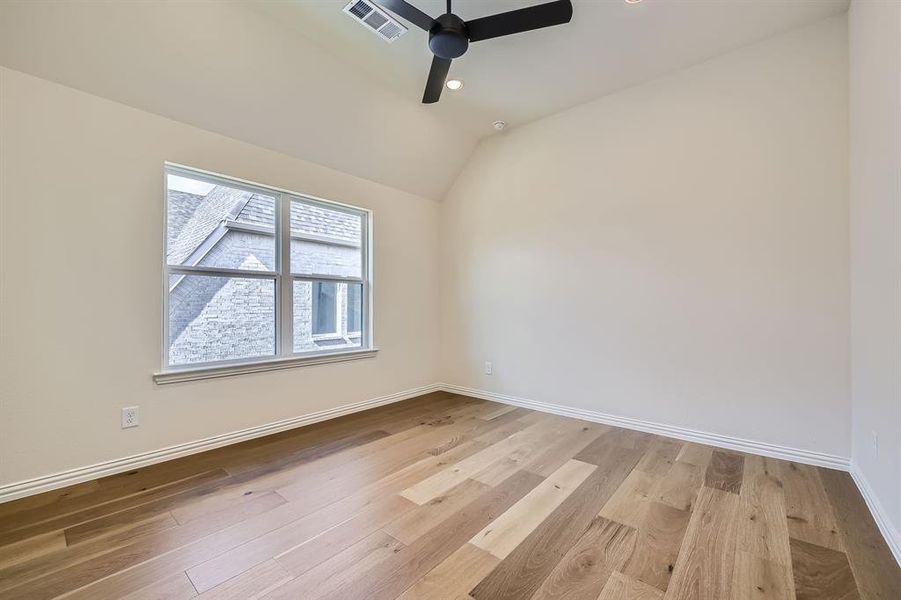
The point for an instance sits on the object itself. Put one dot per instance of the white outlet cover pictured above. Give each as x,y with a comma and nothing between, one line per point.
130,417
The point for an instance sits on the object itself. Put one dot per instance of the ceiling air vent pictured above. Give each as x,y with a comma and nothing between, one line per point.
375,19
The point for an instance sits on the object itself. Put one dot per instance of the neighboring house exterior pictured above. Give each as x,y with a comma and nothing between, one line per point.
221,318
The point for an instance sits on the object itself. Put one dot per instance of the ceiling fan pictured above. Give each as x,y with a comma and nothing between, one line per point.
449,35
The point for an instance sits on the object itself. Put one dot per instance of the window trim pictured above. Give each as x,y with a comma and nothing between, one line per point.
283,279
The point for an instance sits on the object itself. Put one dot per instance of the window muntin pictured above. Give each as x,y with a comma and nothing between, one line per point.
255,273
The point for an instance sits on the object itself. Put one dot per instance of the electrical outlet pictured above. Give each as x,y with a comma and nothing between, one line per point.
130,417
875,444
489,369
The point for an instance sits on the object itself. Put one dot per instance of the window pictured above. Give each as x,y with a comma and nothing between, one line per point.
255,274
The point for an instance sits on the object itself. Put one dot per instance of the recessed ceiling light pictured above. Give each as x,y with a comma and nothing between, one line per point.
454,84
632,1
499,125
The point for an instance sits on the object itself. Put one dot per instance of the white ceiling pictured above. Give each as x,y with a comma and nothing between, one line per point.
302,78
609,45
227,69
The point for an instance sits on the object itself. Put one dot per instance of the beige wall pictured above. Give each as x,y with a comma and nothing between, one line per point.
875,85
80,269
676,252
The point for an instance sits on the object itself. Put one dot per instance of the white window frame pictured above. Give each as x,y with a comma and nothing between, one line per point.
283,279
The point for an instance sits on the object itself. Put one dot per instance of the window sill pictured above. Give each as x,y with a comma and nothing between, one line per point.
197,373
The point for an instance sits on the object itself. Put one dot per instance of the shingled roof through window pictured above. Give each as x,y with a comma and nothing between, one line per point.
194,218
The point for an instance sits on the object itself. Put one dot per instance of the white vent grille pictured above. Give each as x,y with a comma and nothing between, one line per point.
375,19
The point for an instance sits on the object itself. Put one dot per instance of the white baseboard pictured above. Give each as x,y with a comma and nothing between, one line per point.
809,457
891,535
46,483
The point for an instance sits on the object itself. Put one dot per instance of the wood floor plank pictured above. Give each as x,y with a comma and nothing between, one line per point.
506,532
121,490
251,584
521,573
327,577
512,448
504,426
755,578
126,525
571,441
392,577
420,520
501,409
725,471
126,534
378,458
305,556
276,456
599,451
660,533
763,527
584,570
542,453
695,454
132,506
705,567
163,556
680,486
177,587
807,507
31,548
621,587
878,576
44,503
92,560
631,500
454,576
332,477
821,573
628,438
280,540
659,458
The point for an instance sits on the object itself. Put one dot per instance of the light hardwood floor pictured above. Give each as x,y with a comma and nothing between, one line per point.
449,497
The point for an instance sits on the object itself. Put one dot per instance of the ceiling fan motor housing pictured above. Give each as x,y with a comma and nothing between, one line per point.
448,37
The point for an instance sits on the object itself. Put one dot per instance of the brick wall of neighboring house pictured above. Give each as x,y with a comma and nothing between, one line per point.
215,318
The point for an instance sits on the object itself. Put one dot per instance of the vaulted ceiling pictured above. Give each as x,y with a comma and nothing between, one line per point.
608,45
228,69
302,78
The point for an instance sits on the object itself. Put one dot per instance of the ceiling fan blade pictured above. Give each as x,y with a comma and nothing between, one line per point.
437,75
517,21
408,12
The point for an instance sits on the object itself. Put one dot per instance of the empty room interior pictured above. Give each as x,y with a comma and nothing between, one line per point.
450,299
